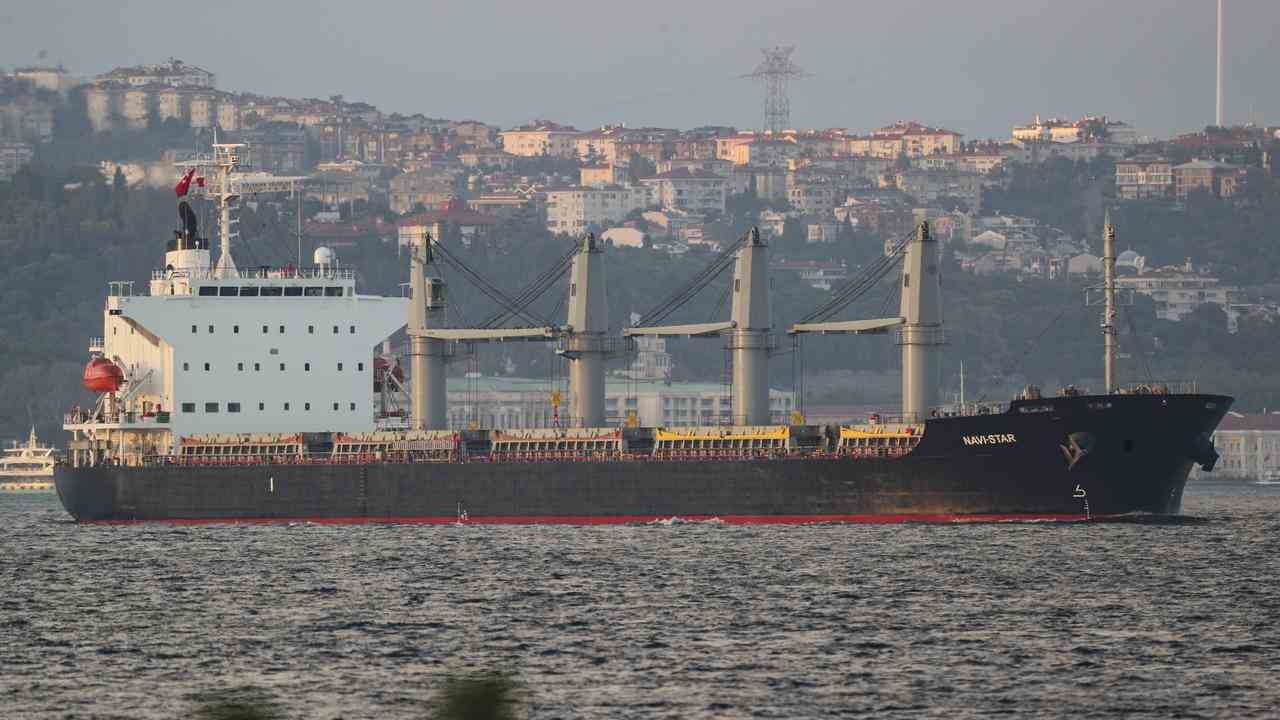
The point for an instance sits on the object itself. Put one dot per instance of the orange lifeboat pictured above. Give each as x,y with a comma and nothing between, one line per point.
102,376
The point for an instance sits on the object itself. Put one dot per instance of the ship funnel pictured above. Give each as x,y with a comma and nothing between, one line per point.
428,355
585,343
749,338
921,334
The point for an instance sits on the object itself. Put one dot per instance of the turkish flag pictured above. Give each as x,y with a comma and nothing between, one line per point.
185,183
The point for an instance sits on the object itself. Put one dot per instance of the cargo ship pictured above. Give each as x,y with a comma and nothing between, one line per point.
230,395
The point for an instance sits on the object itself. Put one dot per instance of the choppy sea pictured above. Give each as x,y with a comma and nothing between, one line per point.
680,620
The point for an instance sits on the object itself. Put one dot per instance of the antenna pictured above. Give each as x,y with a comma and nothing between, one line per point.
1218,120
775,71
1109,303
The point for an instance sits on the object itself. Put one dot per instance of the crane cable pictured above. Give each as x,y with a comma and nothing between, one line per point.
685,293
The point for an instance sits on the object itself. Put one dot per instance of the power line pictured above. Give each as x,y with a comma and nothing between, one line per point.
775,71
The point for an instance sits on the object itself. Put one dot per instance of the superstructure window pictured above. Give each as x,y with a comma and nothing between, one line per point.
210,329
335,329
211,407
293,292
208,290
353,329
186,366
286,406
235,329
228,291
314,291
188,407
311,329
262,406
306,367
333,292
353,407
272,291
240,367
281,329
306,406
281,367
265,330
360,367
194,330
249,291
339,367
233,407
335,407
257,367
206,367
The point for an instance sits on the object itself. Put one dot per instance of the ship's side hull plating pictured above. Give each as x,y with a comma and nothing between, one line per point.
1057,459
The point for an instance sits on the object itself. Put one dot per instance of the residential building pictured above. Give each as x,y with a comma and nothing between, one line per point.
820,275
1144,177
474,134
44,77
335,187
426,187
602,175
541,138
904,137
1179,291
928,186
1210,176
173,73
454,215
693,191
276,147
576,210
764,152
26,117
487,158
1248,447
821,232
718,166
13,155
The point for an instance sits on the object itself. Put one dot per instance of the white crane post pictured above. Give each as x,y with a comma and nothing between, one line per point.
585,345
921,334
1109,303
426,311
748,340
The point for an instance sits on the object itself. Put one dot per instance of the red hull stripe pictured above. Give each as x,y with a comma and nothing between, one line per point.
622,519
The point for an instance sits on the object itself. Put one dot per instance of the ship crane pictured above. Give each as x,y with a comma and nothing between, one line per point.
583,340
225,185
918,326
747,332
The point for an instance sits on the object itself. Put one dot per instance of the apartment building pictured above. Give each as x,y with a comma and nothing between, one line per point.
1210,176
693,191
575,210
541,138
1144,177
1177,292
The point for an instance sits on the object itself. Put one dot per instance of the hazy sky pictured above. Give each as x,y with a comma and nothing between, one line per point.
975,66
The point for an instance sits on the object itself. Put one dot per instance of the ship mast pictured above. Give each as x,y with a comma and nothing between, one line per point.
748,341
921,332
429,355
584,341
1109,302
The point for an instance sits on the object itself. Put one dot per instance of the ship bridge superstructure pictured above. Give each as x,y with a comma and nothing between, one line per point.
210,348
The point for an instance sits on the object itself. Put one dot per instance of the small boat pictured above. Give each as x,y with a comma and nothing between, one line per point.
28,467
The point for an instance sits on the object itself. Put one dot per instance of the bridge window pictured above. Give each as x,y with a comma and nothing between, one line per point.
208,290
188,407
211,407
249,291
333,292
272,291
293,292
314,291
228,291
233,407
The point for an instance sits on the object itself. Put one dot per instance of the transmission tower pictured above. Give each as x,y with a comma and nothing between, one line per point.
775,71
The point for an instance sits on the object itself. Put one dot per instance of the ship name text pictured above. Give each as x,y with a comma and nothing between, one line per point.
994,439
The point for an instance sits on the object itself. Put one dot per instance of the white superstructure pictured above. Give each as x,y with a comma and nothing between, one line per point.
29,462
211,348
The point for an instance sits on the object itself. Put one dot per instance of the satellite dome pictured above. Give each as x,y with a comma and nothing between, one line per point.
323,256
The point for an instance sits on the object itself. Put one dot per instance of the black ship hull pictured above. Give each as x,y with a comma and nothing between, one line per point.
1071,458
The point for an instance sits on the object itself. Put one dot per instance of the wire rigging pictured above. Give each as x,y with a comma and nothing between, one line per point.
689,290
860,285
489,289
536,289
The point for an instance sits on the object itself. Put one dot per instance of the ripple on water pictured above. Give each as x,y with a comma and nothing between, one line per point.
1152,617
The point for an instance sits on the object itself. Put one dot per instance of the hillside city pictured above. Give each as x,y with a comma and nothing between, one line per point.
1019,216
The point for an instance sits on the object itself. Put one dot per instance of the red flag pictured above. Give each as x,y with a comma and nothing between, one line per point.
200,181
185,183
